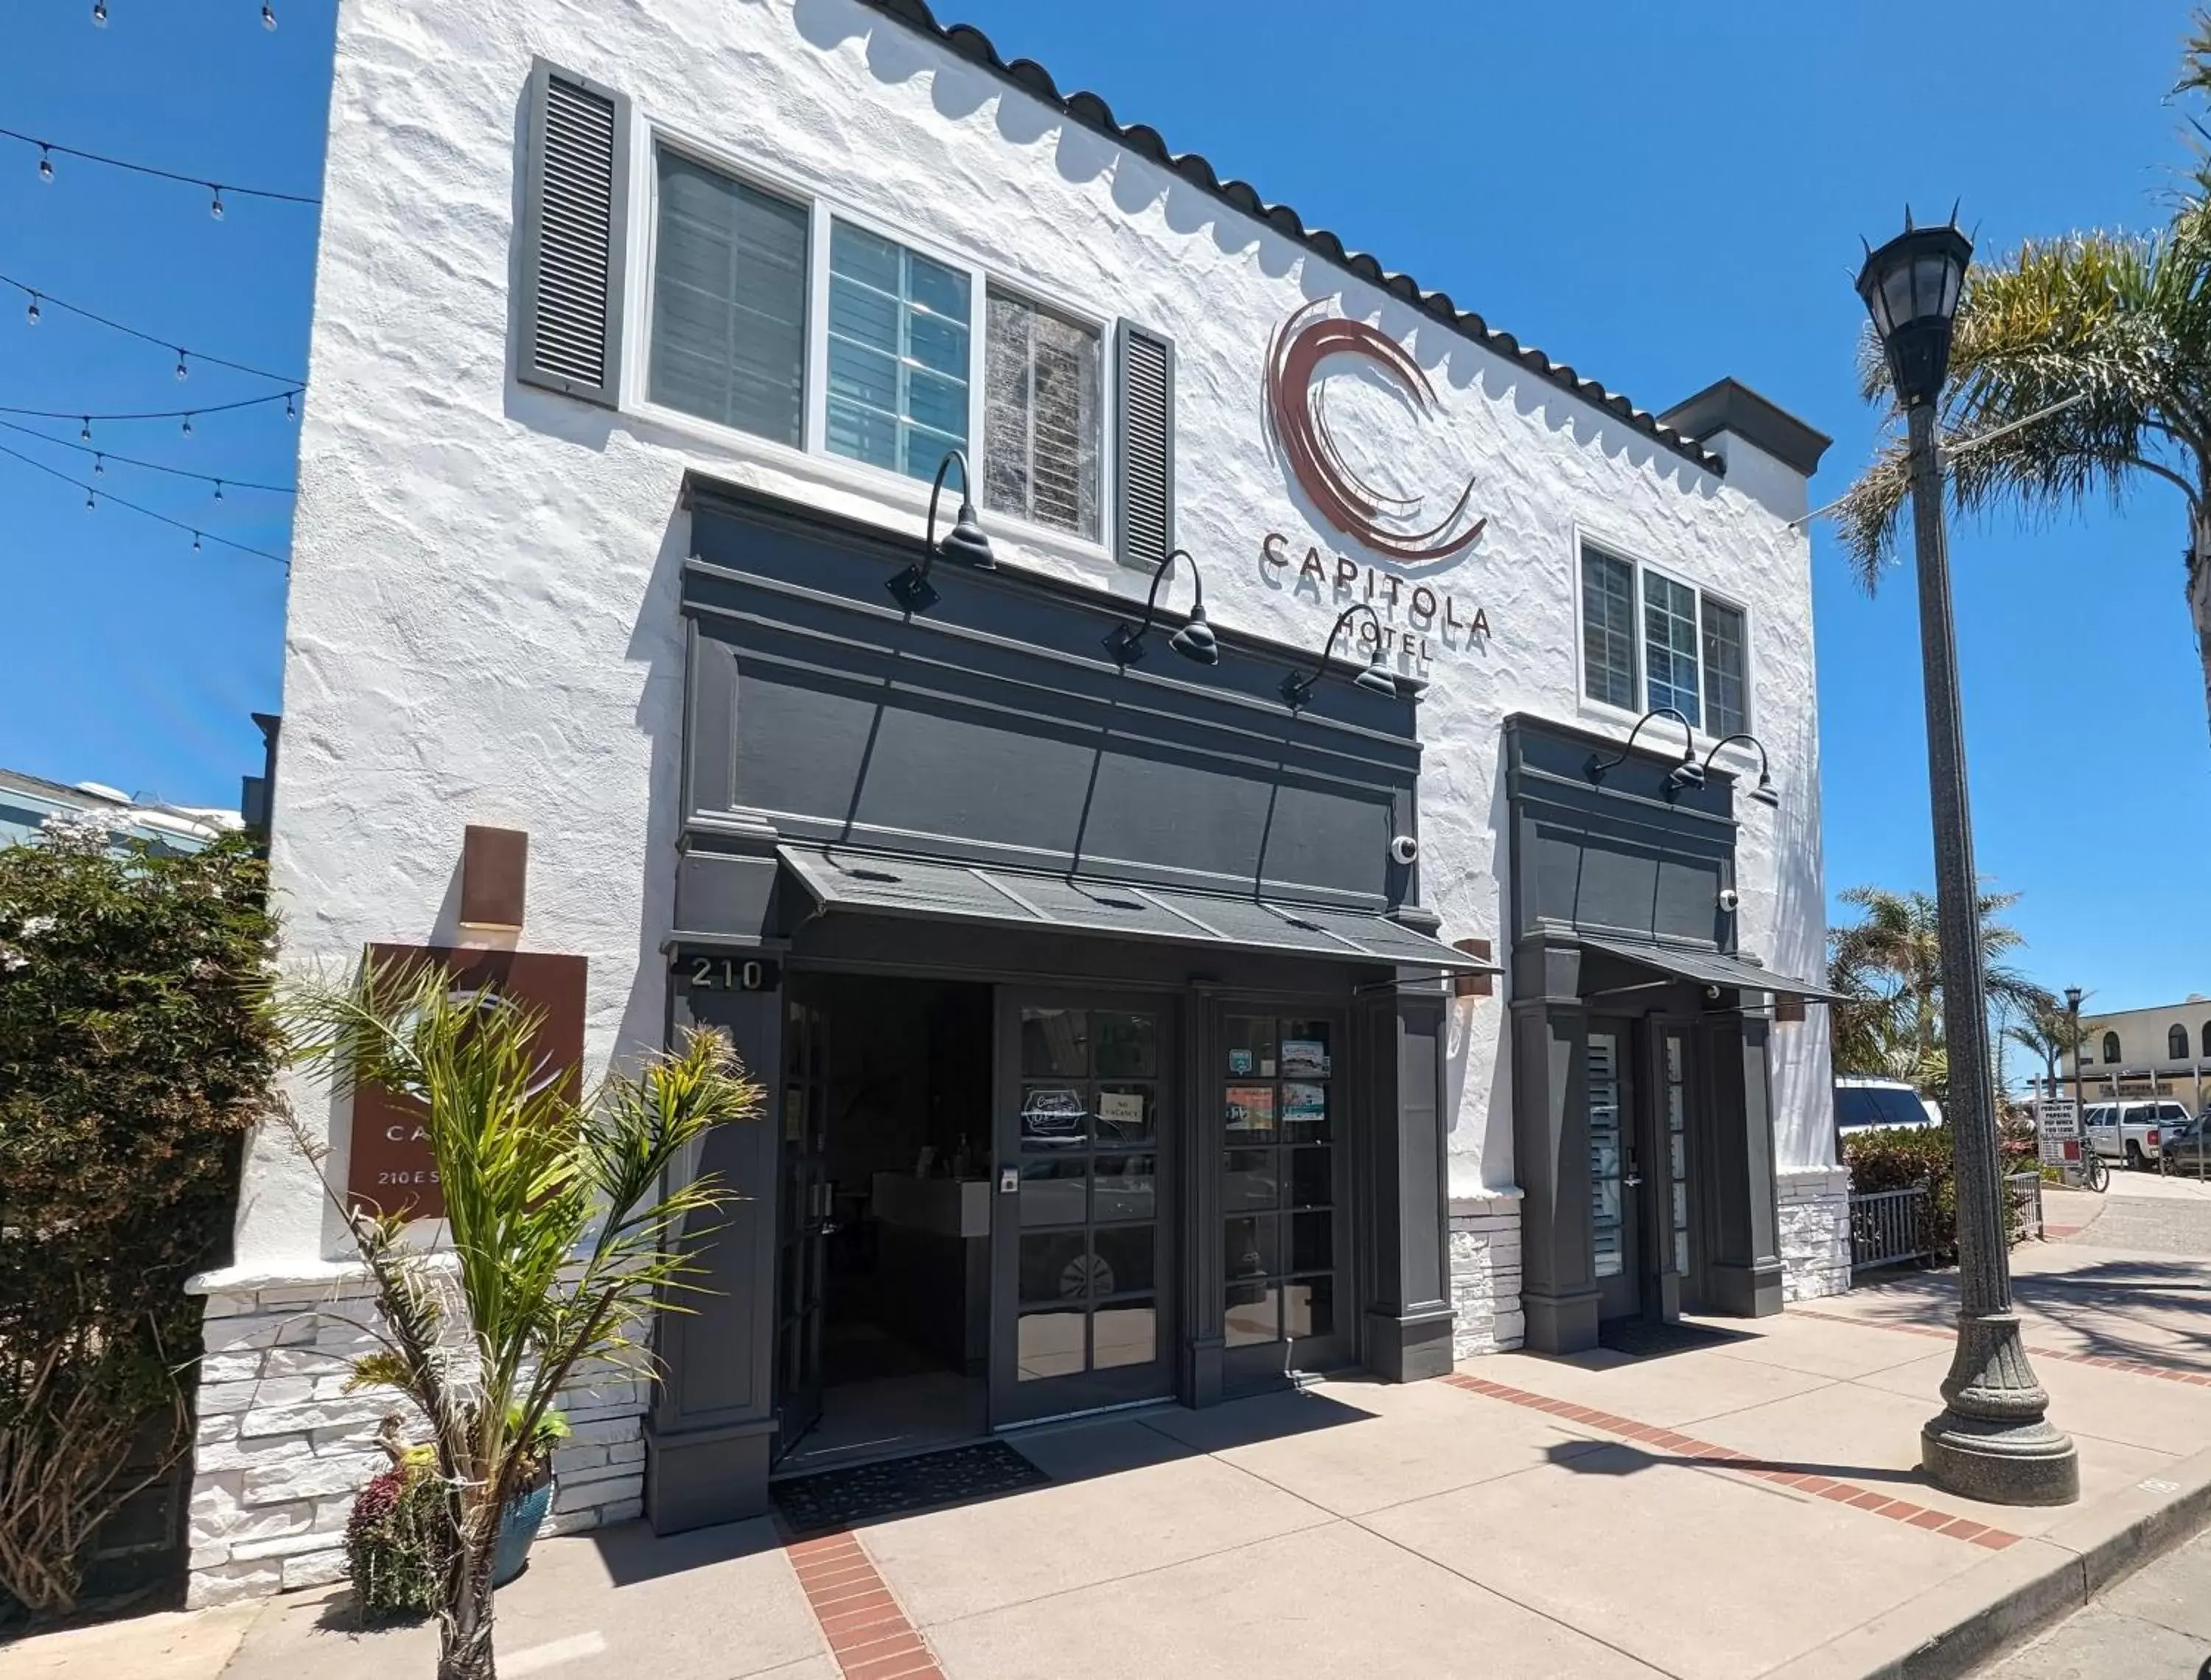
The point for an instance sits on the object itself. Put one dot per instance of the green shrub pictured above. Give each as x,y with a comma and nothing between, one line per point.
398,1544
1898,1157
134,1052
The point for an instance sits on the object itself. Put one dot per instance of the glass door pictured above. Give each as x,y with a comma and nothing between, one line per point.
1283,1195
1615,1178
802,1224
1081,1284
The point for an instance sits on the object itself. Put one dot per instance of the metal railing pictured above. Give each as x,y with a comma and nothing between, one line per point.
2026,1202
1888,1227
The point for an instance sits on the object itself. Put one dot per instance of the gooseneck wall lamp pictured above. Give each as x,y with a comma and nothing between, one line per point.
964,542
1687,774
1993,1438
1195,641
1763,793
1298,686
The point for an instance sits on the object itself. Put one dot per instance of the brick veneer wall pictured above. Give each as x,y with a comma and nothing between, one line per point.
281,1449
1814,1205
1485,1274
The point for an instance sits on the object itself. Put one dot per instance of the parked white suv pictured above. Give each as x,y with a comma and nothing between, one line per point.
2132,1132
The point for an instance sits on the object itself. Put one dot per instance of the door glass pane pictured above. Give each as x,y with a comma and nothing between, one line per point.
1055,1265
1250,1116
1252,1314
1128,1045
1125,1333
1251,1047
1124,1114
1048,1344
1313,1182
1054,1117
1127,1187
1604,1142
1309,1307
1052,1192
1249,1251
1121,1258
1312,1242
1673,1074
1057,1041
1249,1181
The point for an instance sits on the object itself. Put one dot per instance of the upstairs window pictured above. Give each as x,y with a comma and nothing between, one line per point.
2175,1044
1669,645
2206,1041
899,325
728,302
1727,708
1043,380
1607,629
2110,1047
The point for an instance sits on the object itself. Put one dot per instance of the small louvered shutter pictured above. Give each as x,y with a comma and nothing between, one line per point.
575,195
1143,384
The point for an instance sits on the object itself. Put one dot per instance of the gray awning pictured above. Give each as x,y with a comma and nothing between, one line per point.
840,877
1707,968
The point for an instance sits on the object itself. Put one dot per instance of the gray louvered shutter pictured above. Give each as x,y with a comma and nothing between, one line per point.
1143,388
574,203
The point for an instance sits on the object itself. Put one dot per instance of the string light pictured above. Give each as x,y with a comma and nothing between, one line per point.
100,463
195,542
47,148
188,426
214,204
30,315
100,13
90,502
290,413
268,16
143,337
218,490
183,372
145,414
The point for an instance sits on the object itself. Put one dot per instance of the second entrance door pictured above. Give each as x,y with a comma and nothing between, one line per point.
1082,1284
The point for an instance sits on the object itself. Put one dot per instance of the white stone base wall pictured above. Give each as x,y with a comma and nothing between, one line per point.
1814,1208
281,1449
1485,1275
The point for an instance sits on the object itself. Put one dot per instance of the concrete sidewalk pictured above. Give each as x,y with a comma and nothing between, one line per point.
1749,1507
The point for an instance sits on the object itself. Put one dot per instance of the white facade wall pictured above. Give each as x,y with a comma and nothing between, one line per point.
2145,1048
482,618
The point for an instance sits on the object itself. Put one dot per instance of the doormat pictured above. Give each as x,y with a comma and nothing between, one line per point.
1641,1339
830,1499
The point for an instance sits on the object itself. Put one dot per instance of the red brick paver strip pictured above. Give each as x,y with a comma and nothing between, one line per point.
2102,1362
1741,1463
868,1632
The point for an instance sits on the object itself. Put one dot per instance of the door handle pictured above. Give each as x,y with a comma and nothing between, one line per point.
1633,1180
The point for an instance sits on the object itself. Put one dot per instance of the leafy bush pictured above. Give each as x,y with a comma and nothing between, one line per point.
1898,1157
133,1055
397,1544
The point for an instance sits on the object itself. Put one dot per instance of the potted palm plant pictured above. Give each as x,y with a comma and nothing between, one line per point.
566,1219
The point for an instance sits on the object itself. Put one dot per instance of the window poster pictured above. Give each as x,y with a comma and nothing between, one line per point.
1250,1108
1304,1104
1239,1061
1305,1058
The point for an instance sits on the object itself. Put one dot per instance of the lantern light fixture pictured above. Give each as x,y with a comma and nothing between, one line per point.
1195,641
964,542
1298,686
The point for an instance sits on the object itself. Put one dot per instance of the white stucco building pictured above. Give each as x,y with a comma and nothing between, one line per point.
1128,1022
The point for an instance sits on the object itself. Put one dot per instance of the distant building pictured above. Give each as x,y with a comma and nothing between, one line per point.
27,801
2163,1051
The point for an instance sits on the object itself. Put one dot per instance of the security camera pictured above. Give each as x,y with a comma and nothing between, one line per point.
1730,898
1404,849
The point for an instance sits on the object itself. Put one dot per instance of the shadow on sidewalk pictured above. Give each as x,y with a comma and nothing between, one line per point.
2104,1303
1624,1458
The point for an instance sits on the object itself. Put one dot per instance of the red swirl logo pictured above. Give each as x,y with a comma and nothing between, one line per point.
1297,414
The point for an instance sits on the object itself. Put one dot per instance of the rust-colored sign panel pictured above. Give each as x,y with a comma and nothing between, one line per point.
391,1169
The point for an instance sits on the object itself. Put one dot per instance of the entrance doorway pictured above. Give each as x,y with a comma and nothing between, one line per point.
1640,1093
1616,1169
884,1286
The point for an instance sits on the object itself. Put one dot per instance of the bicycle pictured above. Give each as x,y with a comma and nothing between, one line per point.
2096,1172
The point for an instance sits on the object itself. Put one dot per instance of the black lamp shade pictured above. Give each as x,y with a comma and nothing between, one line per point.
1195,641
1911,286
1683,777
1763,793
965,543
1375,680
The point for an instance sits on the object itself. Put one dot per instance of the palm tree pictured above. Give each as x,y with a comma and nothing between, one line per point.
1888,968
2116,325
2049,1032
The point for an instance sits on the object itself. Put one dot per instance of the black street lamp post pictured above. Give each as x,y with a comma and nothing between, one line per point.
1992,1440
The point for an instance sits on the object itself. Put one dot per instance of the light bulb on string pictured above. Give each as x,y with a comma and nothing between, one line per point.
195,542
218,490
290,413
85,435
188,426
268,15
99,466
30,315
183,372
45,163
214,204
100,13
87,501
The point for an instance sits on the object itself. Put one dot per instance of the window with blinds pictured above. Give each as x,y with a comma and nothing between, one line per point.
899,326
1607,629
1727,708
1043,377
729,302
1669,645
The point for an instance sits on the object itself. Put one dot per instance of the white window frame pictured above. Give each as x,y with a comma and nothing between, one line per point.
1603,711
1696,632
812,459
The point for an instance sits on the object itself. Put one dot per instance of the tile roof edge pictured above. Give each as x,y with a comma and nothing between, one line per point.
1089,109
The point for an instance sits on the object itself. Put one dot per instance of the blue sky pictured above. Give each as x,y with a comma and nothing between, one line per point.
1658,195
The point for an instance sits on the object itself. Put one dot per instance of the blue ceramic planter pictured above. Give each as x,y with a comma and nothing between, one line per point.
517,1527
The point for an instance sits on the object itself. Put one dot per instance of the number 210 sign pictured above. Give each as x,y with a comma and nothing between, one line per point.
728,973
